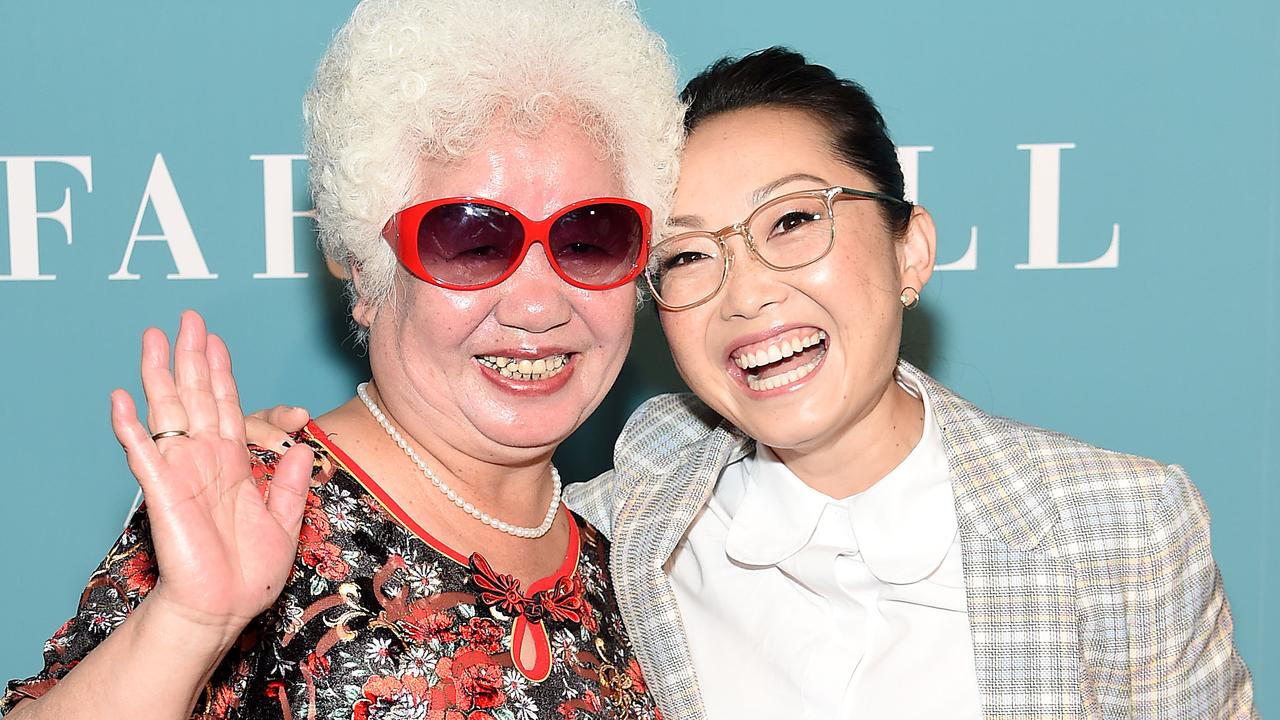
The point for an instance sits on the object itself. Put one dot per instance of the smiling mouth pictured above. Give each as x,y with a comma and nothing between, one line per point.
782,360
532,369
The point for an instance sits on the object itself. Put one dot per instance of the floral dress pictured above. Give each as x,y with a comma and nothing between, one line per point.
381,620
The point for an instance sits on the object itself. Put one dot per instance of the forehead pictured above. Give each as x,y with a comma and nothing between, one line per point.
536,174
735,161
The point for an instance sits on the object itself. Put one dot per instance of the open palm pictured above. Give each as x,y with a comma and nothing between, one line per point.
224,546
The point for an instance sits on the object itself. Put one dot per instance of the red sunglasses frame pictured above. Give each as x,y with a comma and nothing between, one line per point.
401,233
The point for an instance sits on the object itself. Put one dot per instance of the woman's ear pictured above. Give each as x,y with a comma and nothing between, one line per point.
917,250
363,311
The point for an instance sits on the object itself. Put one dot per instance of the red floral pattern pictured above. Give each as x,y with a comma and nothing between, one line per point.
483,634
376,624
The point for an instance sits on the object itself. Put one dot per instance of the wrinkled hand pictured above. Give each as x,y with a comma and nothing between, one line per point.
270,428
224,552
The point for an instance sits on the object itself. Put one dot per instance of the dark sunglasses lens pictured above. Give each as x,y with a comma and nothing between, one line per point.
468,243
597,244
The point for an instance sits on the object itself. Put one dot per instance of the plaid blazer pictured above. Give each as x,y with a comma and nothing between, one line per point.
1090,584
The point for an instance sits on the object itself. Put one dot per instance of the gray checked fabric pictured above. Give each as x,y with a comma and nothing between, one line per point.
1091,588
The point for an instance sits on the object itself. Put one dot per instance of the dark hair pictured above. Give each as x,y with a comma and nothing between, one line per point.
782,78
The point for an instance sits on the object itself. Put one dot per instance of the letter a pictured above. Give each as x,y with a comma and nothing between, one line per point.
175,229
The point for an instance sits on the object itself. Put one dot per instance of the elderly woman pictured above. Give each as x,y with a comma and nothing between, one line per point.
484,170
829,526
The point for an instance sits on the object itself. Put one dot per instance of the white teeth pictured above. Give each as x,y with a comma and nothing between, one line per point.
776,352
525,369
783,379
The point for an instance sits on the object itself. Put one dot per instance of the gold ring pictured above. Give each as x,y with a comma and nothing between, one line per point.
169,433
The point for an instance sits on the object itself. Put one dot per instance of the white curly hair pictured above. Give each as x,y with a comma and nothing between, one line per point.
410,79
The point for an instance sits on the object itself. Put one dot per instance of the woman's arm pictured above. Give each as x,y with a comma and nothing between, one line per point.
1185,661
154,665
223,546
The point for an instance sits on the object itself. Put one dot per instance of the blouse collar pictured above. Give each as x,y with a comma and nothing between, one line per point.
903,526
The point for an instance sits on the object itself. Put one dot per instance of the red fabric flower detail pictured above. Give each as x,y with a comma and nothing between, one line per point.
637,677
326,558
589,619
61,639
383,695
315,523
222,701
139,573
316,665
483,634
481,684
260,472
468,681
423,623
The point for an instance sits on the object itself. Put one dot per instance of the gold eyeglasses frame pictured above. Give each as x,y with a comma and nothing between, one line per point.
828,195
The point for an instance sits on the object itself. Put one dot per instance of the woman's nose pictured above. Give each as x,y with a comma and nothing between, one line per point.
751,286
534,298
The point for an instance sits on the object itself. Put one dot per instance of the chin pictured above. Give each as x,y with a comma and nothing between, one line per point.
528,430
528,441
789,428
786,440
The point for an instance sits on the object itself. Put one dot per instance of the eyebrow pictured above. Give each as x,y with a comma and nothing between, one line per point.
758,196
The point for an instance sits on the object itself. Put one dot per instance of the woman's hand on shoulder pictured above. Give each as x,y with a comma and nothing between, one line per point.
224,546
270,428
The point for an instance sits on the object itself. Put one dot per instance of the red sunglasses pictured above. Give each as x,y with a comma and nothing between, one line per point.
470,243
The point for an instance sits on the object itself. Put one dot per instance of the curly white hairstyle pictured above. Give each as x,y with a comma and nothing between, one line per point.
405,80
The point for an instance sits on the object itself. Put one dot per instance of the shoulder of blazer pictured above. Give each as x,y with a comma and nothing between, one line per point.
1026,484
1100,495
663,431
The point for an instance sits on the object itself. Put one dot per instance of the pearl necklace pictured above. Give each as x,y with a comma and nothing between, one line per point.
472,510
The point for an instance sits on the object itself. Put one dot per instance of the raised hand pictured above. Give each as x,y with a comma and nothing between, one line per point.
224,550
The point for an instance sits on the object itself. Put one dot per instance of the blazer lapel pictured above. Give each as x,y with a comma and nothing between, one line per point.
1021,596
665,483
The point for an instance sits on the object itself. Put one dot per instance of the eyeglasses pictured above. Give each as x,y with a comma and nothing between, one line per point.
470,243
786,233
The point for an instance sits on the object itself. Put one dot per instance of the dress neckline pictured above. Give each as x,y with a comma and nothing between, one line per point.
567,568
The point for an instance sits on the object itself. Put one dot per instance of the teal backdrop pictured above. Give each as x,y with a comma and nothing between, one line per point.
1138,141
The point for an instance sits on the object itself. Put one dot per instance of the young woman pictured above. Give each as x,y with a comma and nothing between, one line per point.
826,532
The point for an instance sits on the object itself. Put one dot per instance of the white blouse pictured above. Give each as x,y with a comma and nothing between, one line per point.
800,605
